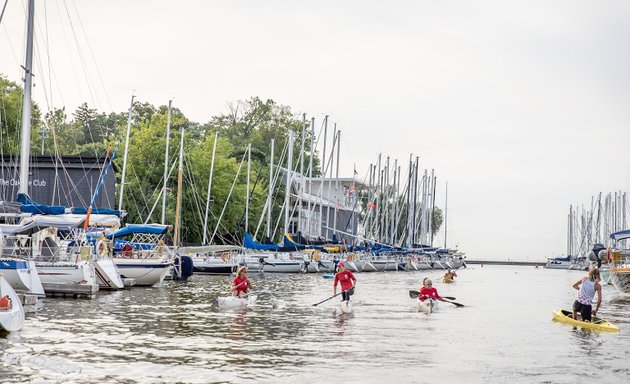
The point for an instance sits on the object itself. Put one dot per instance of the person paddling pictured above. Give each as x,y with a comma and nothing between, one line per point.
347,281
241,283
587,287
449,276
428,292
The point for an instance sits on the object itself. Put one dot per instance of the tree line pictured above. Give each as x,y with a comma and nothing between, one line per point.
89,132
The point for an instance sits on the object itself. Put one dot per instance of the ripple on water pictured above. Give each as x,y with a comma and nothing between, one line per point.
174,334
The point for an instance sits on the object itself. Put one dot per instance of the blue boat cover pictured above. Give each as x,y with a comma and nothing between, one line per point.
28,205
620,235
249,243
130,229
97,211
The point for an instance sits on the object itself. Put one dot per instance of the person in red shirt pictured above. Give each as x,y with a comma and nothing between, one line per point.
241,283
428,292
347,281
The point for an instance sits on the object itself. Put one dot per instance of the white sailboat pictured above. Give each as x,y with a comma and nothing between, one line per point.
11,310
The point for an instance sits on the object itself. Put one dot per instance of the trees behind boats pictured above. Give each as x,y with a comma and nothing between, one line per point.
89,132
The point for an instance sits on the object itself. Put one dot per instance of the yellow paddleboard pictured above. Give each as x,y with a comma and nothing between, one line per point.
564,316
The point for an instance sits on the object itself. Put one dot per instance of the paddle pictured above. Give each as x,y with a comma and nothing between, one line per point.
414,295
456,304
316,304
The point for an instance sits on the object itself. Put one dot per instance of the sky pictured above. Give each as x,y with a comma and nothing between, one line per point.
522,106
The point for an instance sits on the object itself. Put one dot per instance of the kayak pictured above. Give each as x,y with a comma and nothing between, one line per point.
230,302
428,306
598,324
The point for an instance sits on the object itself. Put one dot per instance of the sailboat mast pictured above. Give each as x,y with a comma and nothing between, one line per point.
330,177
124,170
445,214
180,172
287,196
249,168
337,203
310,177
270,190
302,185
322,177
168,136
205,221
26,103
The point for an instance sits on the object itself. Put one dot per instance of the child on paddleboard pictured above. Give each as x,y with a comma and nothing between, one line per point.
241,283
347,281
587,287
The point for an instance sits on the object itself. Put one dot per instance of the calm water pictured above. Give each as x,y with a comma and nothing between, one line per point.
172,334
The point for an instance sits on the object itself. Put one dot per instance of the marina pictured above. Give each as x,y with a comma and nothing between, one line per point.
172,333
285,215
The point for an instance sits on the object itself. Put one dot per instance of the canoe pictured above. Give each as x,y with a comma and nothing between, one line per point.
598,324
230,302
12,318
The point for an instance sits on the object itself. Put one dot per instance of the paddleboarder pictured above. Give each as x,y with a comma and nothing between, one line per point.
241,283
347,281
587,287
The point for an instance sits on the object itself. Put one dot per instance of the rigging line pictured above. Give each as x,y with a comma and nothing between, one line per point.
91,51
3,8
275,177
277,191
196,197
72,64
80,53
229,194
162,191
48,52
39,62
144,200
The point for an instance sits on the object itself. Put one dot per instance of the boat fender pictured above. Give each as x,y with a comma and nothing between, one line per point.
101,247
5,302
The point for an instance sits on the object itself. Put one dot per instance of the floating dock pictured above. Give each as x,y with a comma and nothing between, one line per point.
74,290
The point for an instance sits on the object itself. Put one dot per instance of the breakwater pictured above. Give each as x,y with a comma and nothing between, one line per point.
506,262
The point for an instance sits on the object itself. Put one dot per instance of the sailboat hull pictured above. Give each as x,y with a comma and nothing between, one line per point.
108,275
11,319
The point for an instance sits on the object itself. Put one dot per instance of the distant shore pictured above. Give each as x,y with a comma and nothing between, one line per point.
506,262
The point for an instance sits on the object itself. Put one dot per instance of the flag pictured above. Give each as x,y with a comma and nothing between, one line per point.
371,205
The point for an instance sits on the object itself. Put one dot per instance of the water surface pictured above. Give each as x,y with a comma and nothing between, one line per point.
173,334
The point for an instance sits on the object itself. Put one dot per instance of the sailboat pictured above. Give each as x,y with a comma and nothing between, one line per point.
11,310
20,271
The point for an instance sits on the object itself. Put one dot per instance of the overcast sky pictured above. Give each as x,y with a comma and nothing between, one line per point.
523,107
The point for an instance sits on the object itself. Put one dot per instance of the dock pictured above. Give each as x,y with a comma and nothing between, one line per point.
73,290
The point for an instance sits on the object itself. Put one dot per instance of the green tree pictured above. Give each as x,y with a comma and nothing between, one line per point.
11,116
